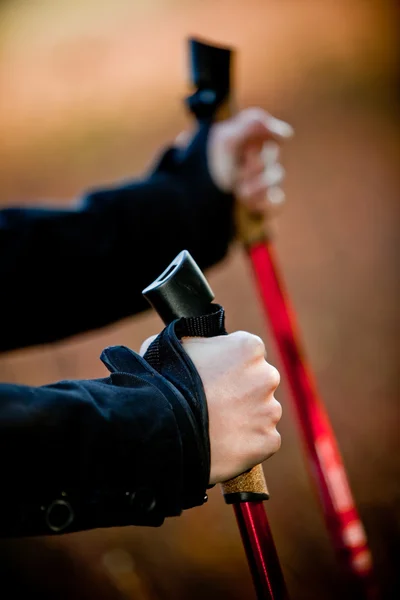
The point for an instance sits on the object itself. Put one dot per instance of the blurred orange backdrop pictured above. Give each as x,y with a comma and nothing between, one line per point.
90,92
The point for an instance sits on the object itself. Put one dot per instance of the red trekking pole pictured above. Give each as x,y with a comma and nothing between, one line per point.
183,291
211,78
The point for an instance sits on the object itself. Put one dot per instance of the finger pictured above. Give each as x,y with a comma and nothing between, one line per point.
257,158
272,176
260,153
270,152
276,127
145,345
275,195
268,202
257,125
253,166
266,207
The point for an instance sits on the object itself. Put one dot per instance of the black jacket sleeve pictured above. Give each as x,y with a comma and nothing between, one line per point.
65,272
129,449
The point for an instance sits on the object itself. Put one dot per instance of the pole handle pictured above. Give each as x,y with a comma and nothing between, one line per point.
183,291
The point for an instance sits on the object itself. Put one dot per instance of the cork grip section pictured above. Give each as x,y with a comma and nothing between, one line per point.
250,229
250,485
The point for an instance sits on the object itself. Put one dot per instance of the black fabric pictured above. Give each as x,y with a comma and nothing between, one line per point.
207,325
167,356
64,272
129,449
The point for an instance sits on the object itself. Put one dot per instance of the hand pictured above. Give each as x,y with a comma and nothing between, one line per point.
243,412
243,158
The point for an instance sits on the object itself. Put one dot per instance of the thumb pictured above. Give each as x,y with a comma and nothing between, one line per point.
145,345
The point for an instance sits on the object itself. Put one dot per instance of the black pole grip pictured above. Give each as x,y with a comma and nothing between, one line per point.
210,70
180,291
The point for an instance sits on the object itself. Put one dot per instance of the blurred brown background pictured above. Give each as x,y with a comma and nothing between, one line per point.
90,91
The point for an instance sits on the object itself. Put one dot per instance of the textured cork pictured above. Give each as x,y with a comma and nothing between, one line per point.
250,229
252,481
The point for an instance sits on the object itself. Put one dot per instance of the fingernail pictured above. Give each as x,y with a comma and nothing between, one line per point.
270,152
276,195
281,128
274,175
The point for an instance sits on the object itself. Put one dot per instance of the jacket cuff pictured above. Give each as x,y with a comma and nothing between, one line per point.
206,209
183,469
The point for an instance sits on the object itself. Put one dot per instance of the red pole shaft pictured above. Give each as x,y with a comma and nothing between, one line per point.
260,551
326,465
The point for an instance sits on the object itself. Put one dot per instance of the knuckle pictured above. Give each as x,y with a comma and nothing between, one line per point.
271,445
255,344
276,411
276,441
254,113
249,343
269,378
237,338
273,413
274,377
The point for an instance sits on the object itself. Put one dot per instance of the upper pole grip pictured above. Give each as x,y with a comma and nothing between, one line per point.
211,68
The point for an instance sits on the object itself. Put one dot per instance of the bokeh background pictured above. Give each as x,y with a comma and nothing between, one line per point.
89,93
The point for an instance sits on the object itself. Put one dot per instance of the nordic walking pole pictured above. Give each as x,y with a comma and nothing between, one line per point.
212,100
183,291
